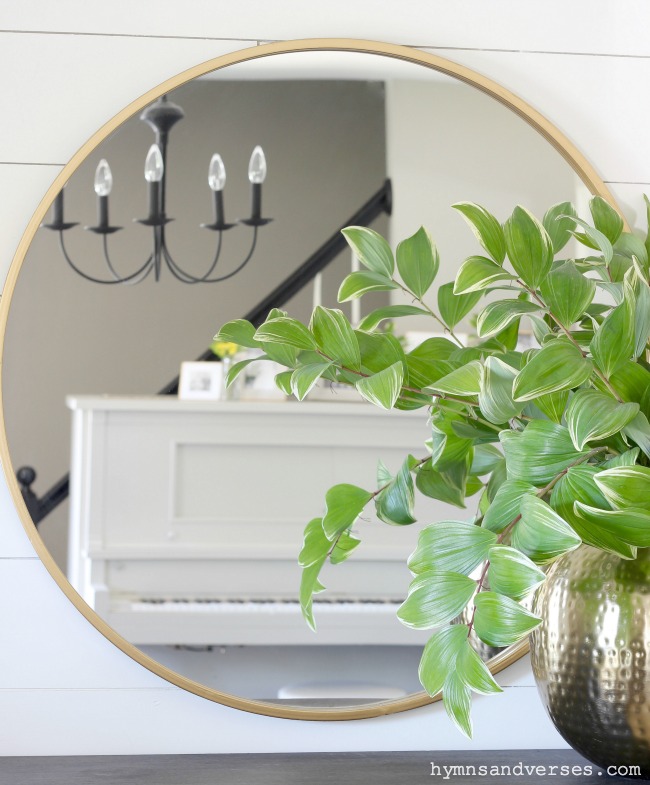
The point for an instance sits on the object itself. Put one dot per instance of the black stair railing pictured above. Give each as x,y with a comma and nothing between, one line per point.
378,204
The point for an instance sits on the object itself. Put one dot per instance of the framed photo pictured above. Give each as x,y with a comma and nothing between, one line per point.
201,381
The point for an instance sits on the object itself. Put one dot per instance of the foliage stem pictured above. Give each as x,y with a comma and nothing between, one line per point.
540,494
567,332
454,398
431,313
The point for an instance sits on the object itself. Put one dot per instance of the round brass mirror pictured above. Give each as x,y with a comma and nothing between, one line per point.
366,111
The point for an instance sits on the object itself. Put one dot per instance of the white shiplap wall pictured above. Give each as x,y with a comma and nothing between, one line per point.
65,69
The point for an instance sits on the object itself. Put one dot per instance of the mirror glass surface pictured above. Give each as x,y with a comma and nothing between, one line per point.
191,553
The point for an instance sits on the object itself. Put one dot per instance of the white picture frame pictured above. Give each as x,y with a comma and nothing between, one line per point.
201,381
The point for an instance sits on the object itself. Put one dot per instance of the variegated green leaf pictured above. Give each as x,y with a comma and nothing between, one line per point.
553,405
383,388
627,458
447,448
478,273
541,533
418,262
304,378
646,244
452,546
474,673
344,503
641,292
315,545
283,381
512,573
394,504
630,245
374,318
344,547
371,249
237,368
558,365
361,282
625,486
310,585
613,344
592,415
506,505
558,222
379,351
465,380
486,228
433,350
500,621
568,293
495,397
454,307
456,698
593,238
287,331
631,381
631,525
578,484
539,453
435,597
486,458
496,316
283,354
335,337
238,331
605,218
448,486
639,432
439,657
529,247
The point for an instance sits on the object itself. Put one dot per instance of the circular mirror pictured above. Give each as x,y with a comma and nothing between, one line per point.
174,524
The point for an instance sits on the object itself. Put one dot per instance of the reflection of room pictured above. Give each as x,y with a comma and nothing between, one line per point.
426,135
132,339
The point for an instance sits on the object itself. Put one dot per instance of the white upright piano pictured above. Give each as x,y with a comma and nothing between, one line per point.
187,518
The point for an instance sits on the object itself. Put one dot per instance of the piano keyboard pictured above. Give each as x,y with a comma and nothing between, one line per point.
251,621
236,605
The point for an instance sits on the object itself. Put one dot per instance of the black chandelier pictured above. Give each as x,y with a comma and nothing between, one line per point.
162,116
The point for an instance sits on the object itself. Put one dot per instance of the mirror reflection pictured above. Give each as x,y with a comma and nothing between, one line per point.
185,517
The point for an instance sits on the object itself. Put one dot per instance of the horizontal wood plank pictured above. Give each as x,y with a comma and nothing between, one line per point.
580,26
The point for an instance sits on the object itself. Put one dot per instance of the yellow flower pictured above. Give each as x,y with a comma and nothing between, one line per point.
224,348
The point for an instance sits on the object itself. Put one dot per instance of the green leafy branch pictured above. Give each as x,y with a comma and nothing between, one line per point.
554,439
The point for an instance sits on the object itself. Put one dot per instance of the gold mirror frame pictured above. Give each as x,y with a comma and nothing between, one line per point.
569,152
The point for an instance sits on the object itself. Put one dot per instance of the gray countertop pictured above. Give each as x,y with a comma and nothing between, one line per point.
527,767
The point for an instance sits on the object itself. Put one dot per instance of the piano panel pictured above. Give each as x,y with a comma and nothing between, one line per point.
186,501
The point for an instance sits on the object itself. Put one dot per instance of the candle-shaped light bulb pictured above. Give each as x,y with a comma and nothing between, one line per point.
103,178
154,168
216,173
257,166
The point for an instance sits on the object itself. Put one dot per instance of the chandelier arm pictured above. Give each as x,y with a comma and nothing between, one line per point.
130,280
91,278
176,271
242,264
181,274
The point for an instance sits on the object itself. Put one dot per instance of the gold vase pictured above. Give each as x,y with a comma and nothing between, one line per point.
591,655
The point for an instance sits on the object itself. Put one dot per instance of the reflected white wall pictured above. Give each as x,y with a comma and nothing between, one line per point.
446,143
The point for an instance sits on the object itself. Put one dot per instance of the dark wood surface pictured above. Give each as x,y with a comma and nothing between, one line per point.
527,767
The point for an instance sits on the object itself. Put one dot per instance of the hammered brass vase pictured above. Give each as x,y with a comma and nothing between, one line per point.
591,655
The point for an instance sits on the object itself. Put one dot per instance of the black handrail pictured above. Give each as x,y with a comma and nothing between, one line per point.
378,204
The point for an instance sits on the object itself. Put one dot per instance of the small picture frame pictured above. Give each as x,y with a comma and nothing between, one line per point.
201,381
